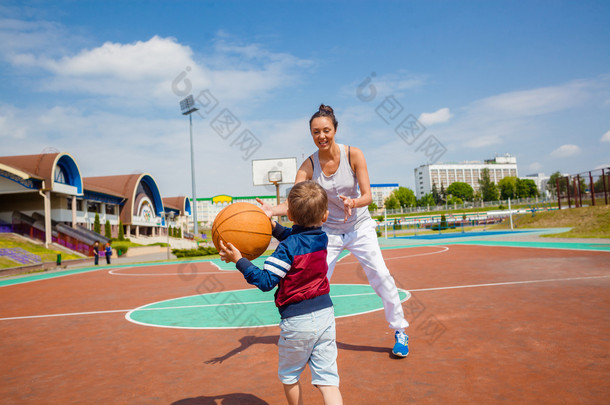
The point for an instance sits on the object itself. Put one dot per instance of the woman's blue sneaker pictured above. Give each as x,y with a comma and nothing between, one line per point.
401,347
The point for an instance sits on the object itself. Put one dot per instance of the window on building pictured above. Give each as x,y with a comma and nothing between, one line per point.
93,206
110,209
60,175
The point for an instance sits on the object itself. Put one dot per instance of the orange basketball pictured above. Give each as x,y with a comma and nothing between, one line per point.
244,225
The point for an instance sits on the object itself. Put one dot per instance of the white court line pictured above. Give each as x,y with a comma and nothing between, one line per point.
445,248
338,296
157,309
509,283
112,272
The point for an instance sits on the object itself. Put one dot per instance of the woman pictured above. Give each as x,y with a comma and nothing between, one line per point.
340,170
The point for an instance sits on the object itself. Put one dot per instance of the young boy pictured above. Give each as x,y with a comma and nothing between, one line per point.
307,328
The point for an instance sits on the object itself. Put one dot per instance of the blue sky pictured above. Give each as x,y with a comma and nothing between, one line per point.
411,82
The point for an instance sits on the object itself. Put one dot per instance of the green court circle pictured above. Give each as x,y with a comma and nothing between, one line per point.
248,308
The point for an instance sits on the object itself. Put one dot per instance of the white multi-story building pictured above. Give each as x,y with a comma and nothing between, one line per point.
467,172
541,181
380,192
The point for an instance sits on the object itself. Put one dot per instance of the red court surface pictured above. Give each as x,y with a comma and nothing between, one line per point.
488,325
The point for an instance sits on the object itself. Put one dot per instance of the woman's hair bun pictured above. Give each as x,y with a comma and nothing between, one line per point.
326,109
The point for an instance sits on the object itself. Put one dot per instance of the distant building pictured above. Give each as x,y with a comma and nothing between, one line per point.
541,181
382,191
467,172
208,208
45,196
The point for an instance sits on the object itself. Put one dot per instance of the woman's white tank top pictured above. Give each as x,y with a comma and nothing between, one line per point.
342,182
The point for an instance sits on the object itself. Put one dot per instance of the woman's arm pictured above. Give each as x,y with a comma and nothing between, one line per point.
362,176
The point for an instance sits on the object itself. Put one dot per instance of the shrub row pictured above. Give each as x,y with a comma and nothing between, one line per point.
201,251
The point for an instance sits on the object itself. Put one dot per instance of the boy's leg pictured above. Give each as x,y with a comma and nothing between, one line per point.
323,360
331,394
365,247
294,396
294,348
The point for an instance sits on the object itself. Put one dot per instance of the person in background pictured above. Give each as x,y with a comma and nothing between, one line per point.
96,253
108,252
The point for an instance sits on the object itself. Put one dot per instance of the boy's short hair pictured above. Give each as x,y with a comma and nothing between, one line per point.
307,203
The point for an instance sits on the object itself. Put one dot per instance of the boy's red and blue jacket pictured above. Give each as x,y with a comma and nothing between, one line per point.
299,266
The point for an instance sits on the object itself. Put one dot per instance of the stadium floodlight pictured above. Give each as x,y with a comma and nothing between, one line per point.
188,107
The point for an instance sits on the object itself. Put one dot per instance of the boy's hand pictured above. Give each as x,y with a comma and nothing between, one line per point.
229,253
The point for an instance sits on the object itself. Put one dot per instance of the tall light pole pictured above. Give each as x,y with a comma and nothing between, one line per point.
188,107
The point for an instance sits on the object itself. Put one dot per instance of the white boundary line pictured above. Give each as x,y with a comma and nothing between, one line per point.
143,308
550,280
483,243
339,296
112,272
127,316
446,248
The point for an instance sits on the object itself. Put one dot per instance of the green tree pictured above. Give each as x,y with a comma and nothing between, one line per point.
599,184
97,226
121,231
551,186
454,200
179,233
435,195
426,200
461,190
405,196
107,230
527,188
443,195
489,190
373,207
508,187
391,202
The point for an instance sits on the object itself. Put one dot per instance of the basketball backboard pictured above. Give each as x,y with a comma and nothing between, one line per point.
267,172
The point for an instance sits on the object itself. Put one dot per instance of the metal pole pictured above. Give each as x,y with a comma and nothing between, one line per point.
511,215
277,197
568,191
605,187
592,187
195,224
167,232
385,221
558,193
579,190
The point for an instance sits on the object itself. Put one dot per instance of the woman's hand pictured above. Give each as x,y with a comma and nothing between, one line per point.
348,205
266,207
229,253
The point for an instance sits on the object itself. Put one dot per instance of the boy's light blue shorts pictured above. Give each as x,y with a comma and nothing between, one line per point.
309,339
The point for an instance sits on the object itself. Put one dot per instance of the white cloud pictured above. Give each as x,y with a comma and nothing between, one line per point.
566,151
534,102
145,71
535,166
606,137
437,117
